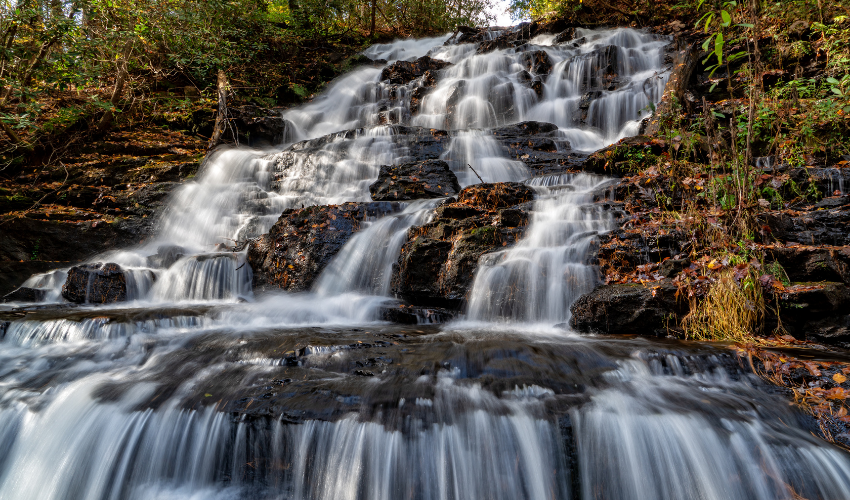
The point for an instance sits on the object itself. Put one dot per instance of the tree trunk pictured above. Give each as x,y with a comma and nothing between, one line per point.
121,77
372,28
221,116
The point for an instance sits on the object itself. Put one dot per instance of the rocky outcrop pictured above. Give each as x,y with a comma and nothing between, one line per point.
401,72
437,264
303,241
413,181
629,309
95,284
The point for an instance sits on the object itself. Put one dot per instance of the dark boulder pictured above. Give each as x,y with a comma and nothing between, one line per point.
24,294
437,264
401,72
4,327
629,309
95,284
412,181
304,241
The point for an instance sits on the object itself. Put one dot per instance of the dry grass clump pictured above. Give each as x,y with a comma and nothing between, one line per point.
733,309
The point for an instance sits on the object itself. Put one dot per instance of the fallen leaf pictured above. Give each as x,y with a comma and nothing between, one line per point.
839,378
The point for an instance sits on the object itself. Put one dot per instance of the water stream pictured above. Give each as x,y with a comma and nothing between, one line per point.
197,389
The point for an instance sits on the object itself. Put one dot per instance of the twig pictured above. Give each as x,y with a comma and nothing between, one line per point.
476,173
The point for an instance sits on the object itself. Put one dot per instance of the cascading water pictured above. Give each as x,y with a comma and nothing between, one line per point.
195,389
538,279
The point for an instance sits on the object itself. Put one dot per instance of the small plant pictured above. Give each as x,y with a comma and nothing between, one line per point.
733,309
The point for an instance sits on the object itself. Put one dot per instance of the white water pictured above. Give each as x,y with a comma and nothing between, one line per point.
128,401
539,278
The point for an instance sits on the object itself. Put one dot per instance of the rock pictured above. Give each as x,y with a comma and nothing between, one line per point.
811,264
565,36
4,327
427,82
401,72
254,126
537,62
819,312
95,284
437,264
406,314
684,60
812,227
672,267
413,181
165,256
631,308
315,155
539,146
24,294
303,242
624,156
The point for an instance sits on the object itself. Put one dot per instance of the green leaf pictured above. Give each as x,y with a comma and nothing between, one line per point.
837,91
718,47
708,21
718,115
833,81
727,19
746,25
706,43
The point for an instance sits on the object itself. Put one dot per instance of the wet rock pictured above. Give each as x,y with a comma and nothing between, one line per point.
406,314
630,308
165,256
537,62
4,326
254,126
96,284
413,181
418,144
303,241
565,36
624,156
401,72
24,294
426,83
539,146
437,264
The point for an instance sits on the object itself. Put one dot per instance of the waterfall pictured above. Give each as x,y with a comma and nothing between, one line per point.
197,389
538,279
